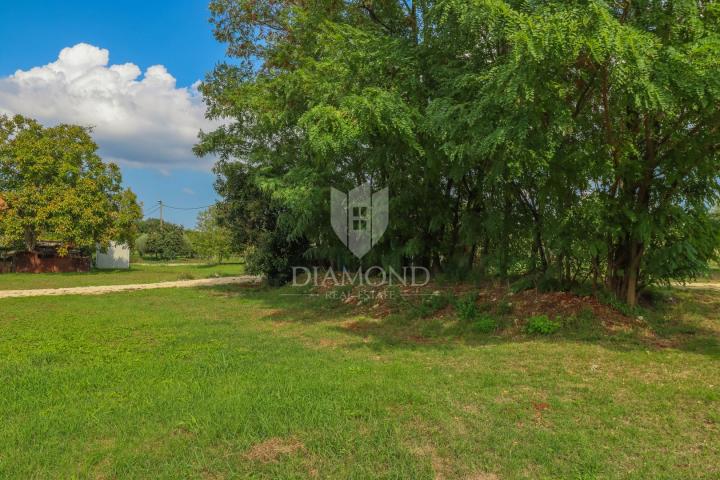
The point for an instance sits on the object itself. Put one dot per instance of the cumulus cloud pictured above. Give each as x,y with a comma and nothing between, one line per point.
141,120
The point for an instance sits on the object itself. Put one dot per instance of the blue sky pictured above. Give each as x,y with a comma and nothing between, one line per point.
175,34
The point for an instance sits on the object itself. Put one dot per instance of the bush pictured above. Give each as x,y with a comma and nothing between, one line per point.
466,308
437,301
485,324
542,324
526,283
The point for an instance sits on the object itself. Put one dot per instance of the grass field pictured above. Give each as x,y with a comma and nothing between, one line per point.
238,382
136,274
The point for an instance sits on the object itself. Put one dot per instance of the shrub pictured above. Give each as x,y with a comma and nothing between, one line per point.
466,308
549,284
526,283
542,324
485,324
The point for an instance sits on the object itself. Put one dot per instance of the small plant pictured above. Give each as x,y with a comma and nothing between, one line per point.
186,276
466,308
542,325
419,310
485,324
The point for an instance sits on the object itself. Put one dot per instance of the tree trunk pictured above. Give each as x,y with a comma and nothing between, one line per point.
505,242
30,239
633,274
624,263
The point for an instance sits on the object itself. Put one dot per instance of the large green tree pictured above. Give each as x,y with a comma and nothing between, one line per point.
56,187
571,140
211,239
164,240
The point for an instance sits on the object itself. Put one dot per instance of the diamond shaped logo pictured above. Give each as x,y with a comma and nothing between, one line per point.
359,217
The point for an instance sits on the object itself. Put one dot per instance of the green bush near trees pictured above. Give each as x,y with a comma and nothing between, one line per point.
575,141
212,240
541,324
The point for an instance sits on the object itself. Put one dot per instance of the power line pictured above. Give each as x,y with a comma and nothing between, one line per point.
152,211
188,208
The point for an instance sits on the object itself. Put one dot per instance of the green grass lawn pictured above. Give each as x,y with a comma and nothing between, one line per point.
247,383
136,274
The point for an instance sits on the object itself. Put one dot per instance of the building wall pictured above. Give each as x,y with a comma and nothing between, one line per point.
31,262
117,256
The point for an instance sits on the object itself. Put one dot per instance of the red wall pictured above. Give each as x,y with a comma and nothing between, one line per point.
28,262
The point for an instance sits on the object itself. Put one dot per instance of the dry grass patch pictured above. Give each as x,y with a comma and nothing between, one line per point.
272,449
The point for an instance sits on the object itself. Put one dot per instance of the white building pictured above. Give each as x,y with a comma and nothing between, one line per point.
117,256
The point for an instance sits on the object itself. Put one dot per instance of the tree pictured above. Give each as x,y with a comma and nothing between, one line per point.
166,240
212,240
569,140
613,115
141,244
56,186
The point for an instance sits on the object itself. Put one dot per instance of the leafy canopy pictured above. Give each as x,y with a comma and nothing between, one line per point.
56,187
570,140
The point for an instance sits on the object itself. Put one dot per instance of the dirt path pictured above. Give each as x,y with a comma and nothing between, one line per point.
99,290
701,285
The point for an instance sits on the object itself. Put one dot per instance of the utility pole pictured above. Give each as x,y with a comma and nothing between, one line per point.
161,213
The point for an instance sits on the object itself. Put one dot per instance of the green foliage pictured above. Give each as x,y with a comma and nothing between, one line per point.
167,241
141,244
466,308
541,324
566,140
485,323
622,307
54,186
212,240
525,283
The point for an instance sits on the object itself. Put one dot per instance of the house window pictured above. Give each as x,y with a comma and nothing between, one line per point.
359,218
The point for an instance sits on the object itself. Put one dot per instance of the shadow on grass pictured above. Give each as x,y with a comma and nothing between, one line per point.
690,321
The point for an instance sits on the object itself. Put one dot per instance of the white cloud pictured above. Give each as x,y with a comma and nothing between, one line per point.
188,191
141,120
